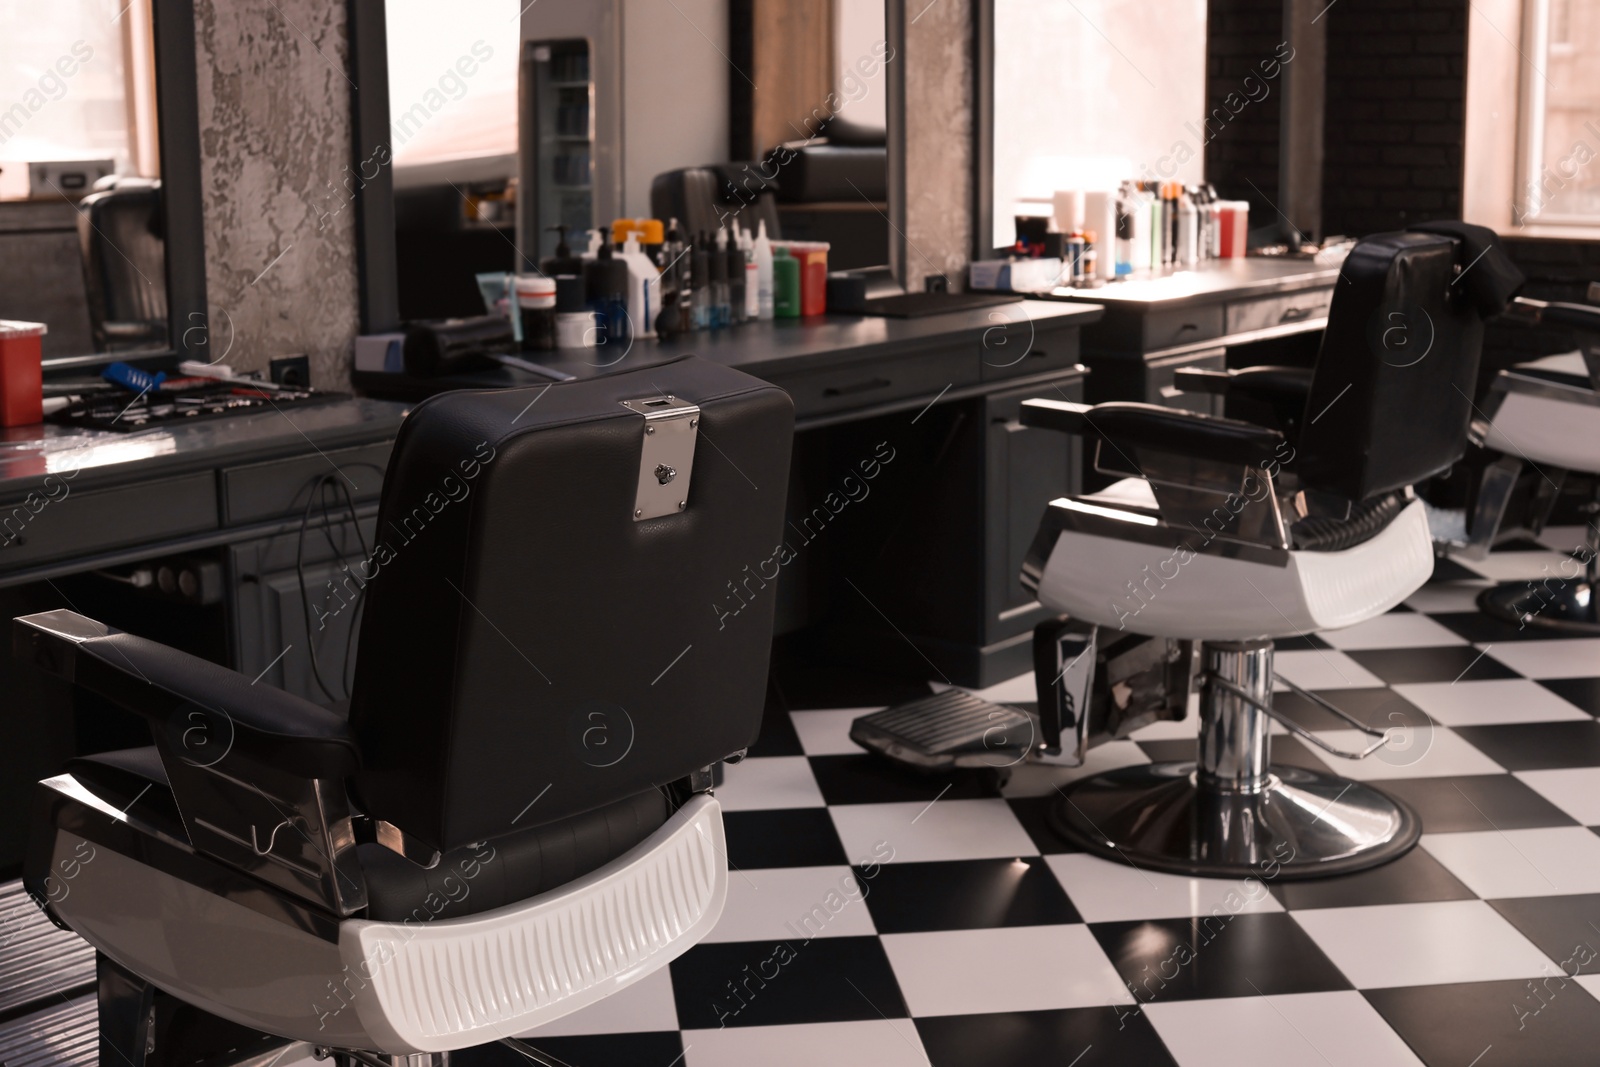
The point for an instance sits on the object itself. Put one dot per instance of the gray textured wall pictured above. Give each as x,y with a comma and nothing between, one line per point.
938,73
275,147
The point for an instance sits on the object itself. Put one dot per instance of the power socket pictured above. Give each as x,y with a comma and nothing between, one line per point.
935,283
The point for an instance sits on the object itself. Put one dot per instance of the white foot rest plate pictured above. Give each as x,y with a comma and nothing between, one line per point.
455,983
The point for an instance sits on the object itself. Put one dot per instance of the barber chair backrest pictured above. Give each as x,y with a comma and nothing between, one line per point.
703,198
530,650
122,231
1392,393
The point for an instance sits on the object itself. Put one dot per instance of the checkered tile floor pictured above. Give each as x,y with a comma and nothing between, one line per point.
879,917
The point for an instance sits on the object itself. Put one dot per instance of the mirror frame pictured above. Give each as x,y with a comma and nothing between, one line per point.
378,284
177,103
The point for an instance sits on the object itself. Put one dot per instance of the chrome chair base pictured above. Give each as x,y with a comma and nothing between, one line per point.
1300,824
1568,608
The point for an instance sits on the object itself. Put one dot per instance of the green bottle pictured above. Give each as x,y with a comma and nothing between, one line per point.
785,285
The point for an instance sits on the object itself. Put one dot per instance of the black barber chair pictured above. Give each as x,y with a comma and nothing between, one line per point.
517,819
1232,534
1541,422
1229,534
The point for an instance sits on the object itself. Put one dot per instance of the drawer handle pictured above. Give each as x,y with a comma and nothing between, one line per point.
1294,314
859,387
1187,327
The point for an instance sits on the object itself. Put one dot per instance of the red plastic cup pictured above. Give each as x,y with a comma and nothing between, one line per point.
21,373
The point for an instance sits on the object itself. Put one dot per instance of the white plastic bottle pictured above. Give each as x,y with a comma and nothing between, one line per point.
644,288
752,278
763,257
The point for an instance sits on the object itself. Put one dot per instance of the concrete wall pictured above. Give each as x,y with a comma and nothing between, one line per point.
938,138
274,99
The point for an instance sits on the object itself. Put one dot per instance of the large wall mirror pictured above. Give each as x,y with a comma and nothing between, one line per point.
1089,94
506,122
99,179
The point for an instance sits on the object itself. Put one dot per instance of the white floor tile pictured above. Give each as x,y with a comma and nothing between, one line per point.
1029,779
1442,597
1324,668
1490,702
1328,1029
1563,538
1424,752
1575,790
827,733
1545,862
944,830
1403,629
646,1005
1519,566
1108,891
1577,658
870,1043
1422,944
769,782
792,903
1021,968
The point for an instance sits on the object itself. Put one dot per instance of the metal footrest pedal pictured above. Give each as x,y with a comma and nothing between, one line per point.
948,730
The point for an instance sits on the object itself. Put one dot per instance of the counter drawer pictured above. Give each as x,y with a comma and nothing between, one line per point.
280,488
1181,326
80,523
871,383
1246,316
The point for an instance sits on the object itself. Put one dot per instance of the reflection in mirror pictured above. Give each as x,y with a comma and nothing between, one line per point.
510,120
1143,68
82,225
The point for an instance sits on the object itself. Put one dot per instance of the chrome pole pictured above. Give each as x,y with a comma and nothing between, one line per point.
1235,742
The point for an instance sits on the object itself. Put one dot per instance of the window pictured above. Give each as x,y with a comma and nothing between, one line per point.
76,79
1559,173
452,79
1533,117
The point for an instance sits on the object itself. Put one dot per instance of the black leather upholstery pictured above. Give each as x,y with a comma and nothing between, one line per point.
478,878
266,725
465,881
1391,397
703,198
1131,426
517,607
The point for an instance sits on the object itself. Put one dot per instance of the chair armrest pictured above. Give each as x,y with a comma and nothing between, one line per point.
268,726
1129,426
1583,317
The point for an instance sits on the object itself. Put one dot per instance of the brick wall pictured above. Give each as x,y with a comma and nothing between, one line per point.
1241,34
1396,94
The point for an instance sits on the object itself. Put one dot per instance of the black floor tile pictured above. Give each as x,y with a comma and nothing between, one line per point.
966,895
1034,815
1484,629
1412,878
1081,1037
1492,1024
1303,643
1475,802
1537,746
874,779
1447,663
777,737
1216,956
1584,692
1448,570
1521,544
1566,928
1379,707
648,1049
789,837
761,983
